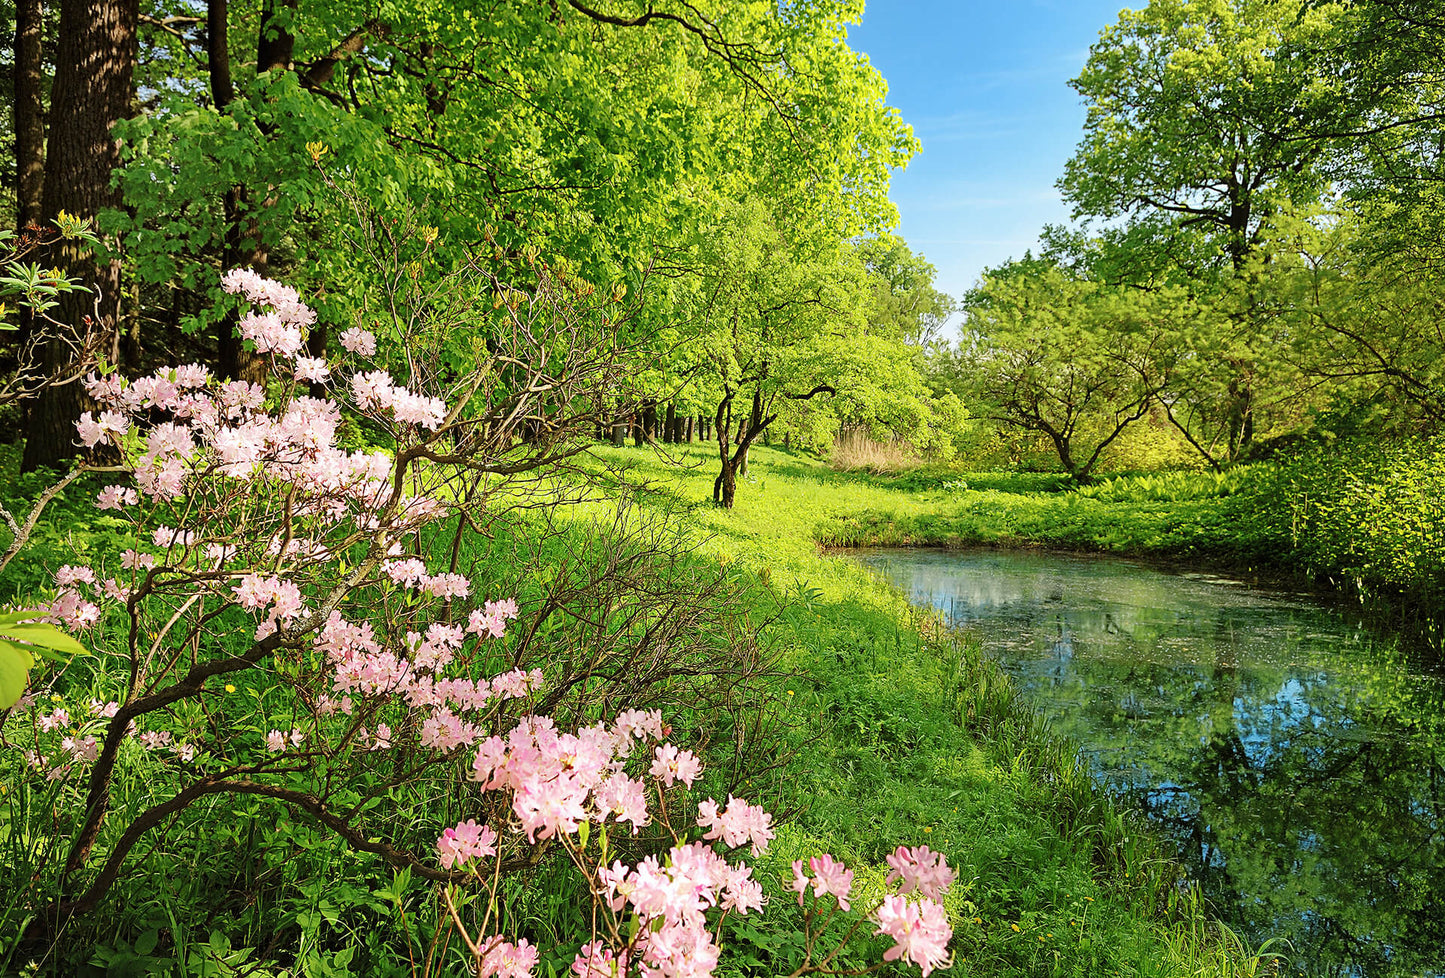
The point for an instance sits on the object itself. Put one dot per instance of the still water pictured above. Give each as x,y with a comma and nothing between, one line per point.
1293,756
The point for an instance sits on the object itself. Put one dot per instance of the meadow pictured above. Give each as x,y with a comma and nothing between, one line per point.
861,721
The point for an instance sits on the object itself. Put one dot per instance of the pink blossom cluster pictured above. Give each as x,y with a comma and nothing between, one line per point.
670,898
739,824
375,390
277,741
466,841
412,572
830,878
919,927
283,597
225,426
65,737
359,341
502,959
71,608
559,780
361,666
920,869
281,330
180,427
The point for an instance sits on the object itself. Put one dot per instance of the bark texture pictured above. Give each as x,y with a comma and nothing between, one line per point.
93,90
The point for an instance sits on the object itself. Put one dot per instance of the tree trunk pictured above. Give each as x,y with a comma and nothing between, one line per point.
724,487
691,421
669,424
754,427
93,90
29,113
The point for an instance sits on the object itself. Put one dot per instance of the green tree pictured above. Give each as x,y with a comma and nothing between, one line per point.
1214,117
1068,358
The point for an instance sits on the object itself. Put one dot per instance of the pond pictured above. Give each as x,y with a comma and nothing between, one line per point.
1292,755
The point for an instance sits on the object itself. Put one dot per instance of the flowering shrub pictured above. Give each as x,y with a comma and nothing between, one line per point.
654,915
293,621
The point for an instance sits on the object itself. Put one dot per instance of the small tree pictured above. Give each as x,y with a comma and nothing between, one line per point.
1068,358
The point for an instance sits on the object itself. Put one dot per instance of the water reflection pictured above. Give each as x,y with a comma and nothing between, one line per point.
1294,759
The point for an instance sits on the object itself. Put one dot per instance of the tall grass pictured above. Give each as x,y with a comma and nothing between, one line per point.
855,450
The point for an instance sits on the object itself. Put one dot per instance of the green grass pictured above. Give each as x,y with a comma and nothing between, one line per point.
892,731
915,737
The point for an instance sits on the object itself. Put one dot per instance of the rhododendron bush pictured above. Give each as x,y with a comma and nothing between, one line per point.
299,616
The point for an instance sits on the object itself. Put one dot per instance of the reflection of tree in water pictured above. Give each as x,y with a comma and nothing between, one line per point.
1296,764
1327,837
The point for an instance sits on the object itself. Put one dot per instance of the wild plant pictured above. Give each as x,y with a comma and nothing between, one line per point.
297,621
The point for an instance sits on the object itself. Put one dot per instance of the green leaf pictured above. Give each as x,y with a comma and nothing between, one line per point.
15,665
44,637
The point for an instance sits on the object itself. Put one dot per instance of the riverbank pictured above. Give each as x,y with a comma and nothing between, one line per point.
923,739
890,731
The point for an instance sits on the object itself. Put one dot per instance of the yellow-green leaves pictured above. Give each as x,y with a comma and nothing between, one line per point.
21,641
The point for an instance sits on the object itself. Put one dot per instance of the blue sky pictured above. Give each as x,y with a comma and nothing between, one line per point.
985,87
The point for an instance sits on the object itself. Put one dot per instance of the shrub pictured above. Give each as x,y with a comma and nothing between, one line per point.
299,624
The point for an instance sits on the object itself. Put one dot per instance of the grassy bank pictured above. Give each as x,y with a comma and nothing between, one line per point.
877,728
923,740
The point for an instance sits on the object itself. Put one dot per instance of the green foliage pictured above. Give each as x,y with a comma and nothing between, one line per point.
882,728
1371,515
1204,111
1069,358
22,641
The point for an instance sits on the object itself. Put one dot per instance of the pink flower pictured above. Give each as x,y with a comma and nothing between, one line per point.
446,586
742,893
312,369
623,798
130,560
548,807
54,720
114,497
505,609
505,960
276,741
671,765
920,931
372,389
920,869
93,431
640,724
484,624
465,842
739,823
831,877
597,961
359,341
271,333
154,739
800,880
70,574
